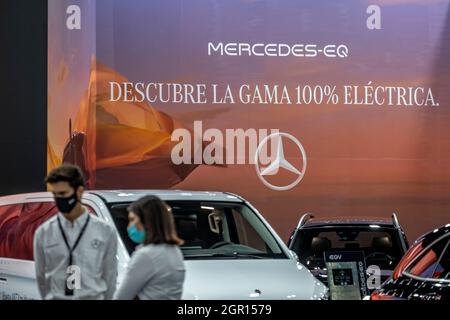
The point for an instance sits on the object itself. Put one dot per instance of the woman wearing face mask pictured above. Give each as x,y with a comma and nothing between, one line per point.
156,269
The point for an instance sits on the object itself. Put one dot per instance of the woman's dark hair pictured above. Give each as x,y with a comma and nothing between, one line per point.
157,218
68,173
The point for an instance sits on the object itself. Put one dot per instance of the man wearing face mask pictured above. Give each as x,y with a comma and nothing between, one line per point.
74,251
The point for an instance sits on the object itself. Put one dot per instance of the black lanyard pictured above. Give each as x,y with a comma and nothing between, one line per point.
69,291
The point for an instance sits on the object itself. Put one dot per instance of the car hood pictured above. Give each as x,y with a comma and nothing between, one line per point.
233,279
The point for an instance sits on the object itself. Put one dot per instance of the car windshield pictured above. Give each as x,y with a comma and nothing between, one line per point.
212,230
381,245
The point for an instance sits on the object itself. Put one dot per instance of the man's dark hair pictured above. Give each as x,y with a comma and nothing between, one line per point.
68,173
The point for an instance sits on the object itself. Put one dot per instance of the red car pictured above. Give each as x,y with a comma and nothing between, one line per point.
424,271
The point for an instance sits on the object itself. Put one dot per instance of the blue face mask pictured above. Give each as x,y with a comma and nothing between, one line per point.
137,236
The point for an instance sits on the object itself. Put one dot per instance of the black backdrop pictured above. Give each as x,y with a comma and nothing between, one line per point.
23,95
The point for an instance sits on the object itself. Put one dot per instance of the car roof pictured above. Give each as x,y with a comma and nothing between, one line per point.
345,221
128,195
166,195
430,236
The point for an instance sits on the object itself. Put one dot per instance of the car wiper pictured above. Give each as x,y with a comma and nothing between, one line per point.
233,255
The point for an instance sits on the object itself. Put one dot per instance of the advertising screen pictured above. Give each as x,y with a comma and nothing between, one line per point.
339,108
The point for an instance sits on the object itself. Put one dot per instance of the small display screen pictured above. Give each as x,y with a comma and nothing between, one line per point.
343,277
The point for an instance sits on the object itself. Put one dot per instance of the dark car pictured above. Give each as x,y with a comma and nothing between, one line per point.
380,241
424,271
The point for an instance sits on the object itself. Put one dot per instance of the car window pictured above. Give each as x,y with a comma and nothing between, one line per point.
381,246
426,265
412,252
246,234
442,270
18,223
212,230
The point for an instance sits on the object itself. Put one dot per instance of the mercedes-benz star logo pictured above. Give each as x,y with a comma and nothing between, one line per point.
280,161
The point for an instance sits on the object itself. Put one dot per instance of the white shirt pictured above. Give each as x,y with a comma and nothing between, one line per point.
95,255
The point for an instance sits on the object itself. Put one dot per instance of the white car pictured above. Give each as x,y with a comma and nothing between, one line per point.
230,251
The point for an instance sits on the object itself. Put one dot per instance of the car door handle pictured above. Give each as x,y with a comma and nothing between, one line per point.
3,280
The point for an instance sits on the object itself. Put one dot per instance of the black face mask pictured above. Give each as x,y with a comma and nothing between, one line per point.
66,205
